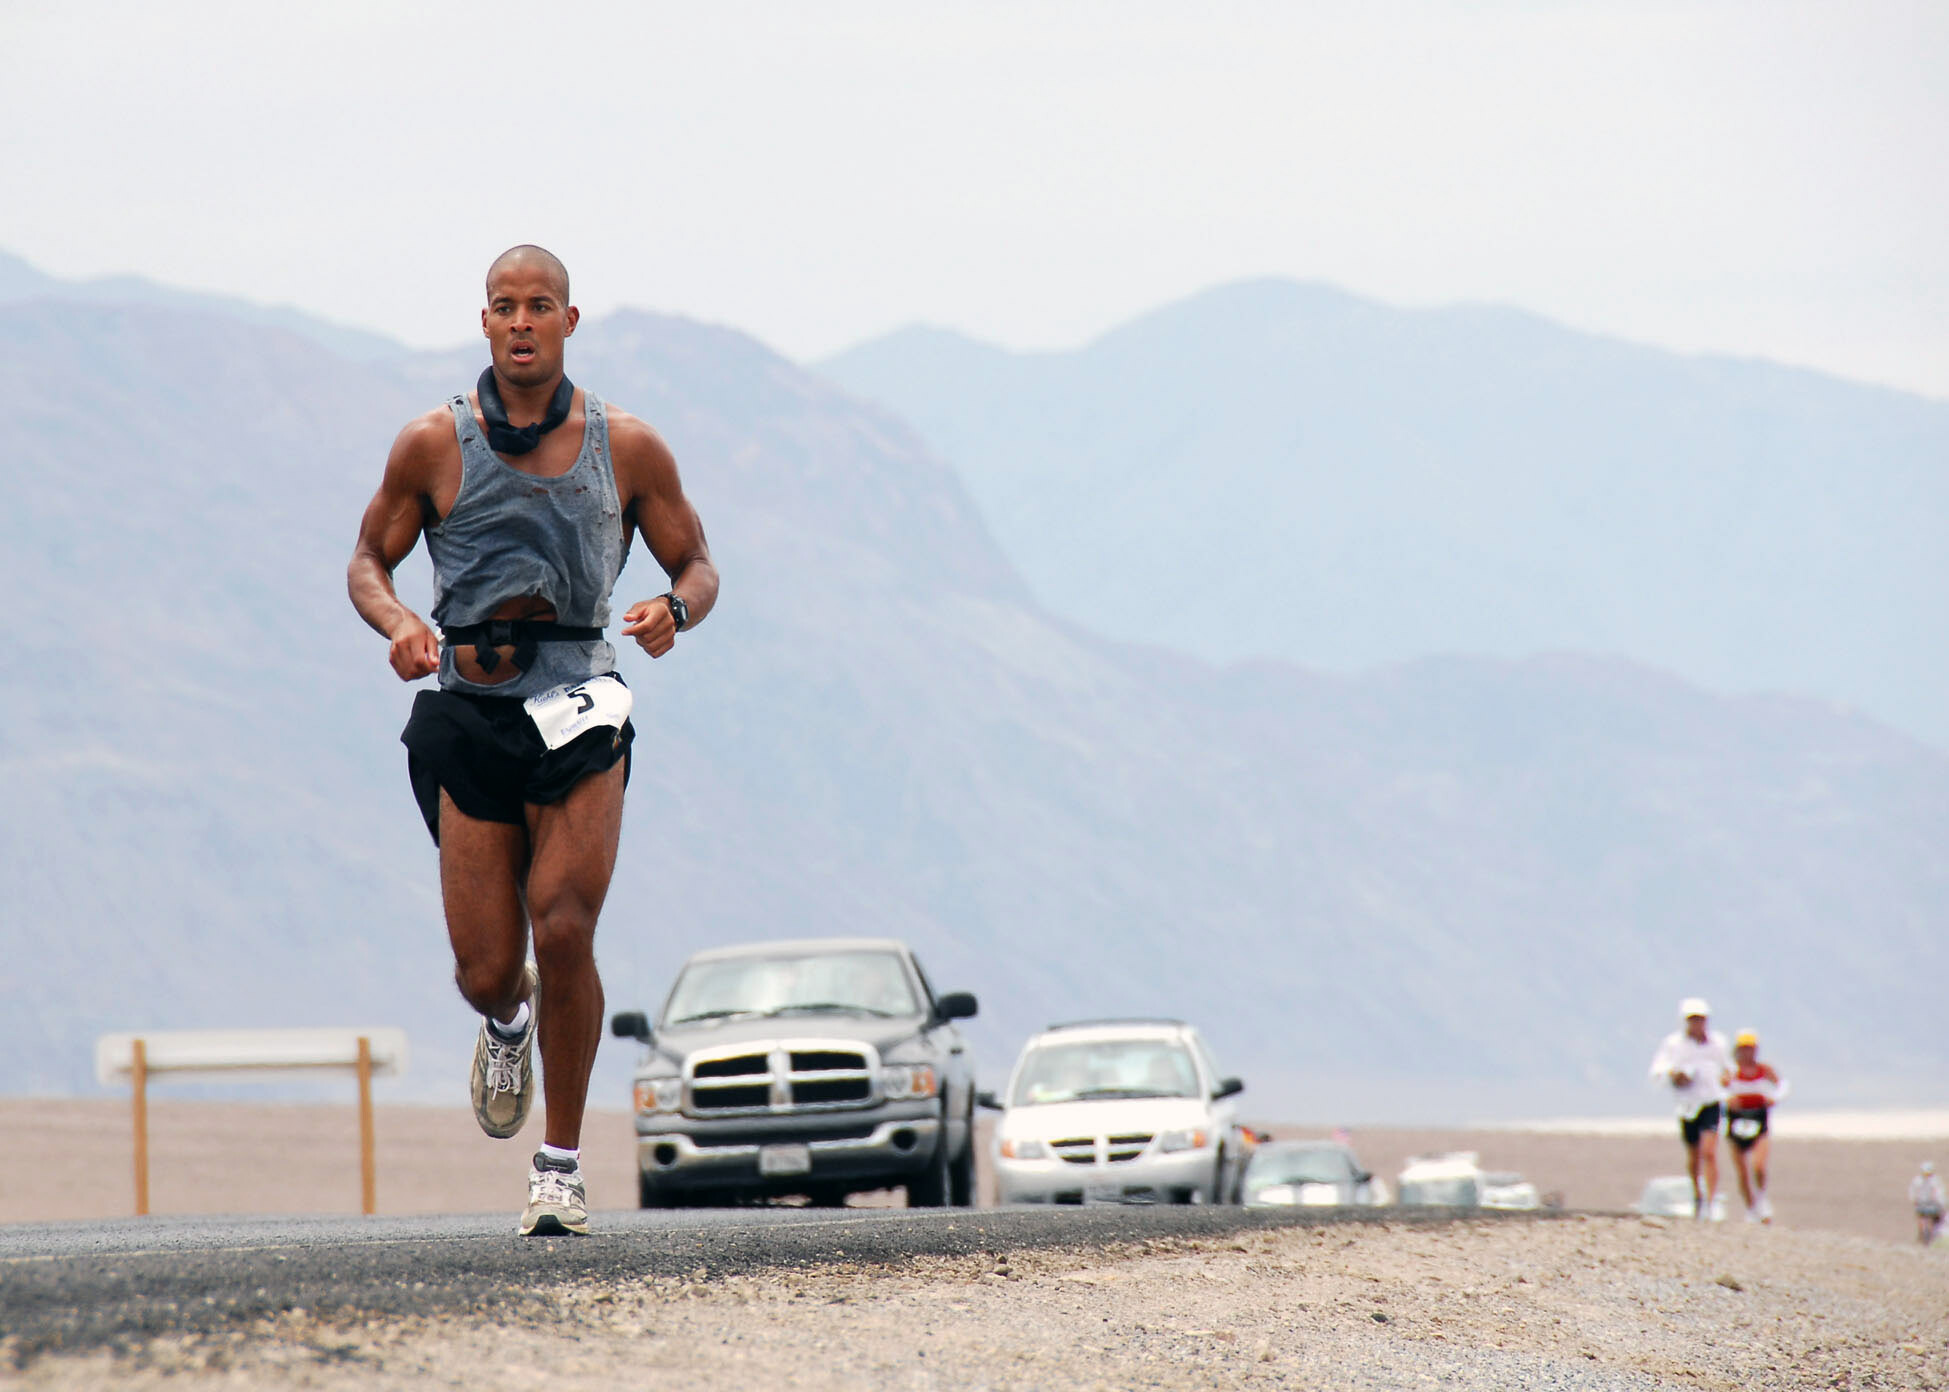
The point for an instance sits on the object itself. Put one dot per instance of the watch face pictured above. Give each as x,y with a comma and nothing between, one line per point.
679,611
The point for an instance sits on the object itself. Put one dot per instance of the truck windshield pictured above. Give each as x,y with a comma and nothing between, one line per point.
1106,1068
1308,1166
1447,1193
865,983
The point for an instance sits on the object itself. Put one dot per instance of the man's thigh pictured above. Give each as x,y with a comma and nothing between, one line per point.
573,845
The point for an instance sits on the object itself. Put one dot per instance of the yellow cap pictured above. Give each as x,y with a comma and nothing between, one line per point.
1745,1038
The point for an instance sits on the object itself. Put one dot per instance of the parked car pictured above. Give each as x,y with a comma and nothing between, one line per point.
1667,1196
1501,1189
1117,1111
1453,1180
821,1068
1457,1180
1309,1173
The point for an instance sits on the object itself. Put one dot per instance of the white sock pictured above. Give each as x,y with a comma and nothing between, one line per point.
514,1028
573,1157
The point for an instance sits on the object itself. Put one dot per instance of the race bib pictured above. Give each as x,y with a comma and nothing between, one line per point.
563,712
1746,1127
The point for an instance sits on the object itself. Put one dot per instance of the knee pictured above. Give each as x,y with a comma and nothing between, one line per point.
564,934
487,984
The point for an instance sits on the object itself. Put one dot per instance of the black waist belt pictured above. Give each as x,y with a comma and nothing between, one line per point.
520,634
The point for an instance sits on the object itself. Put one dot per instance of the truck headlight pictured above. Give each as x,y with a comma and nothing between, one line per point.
1023,1150
659,1094
903,1082
1191,1138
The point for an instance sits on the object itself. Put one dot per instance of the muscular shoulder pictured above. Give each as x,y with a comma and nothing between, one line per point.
422,447
644,462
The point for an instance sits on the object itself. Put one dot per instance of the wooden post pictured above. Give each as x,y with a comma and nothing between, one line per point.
139,1075
367,1183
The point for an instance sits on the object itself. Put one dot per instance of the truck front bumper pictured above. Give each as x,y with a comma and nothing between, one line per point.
891,1152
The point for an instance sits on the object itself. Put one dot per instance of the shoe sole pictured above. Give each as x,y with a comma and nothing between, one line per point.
551,1225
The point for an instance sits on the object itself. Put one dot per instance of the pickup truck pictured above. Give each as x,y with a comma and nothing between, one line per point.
823,1067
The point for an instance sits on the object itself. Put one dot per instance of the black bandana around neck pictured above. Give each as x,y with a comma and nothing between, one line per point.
506,439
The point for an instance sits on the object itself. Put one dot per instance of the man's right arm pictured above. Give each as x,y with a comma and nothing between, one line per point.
387,534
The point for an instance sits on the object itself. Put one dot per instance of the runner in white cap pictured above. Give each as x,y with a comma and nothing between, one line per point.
1695,1063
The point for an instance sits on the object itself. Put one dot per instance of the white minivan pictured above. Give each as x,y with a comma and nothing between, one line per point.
1117,1111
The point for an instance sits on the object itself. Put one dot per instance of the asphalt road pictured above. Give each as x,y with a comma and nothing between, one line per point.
68,1286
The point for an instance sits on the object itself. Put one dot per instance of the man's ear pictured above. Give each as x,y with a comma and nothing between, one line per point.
483,321
574,317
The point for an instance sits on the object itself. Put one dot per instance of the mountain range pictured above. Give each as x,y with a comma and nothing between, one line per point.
1456,887
1275,469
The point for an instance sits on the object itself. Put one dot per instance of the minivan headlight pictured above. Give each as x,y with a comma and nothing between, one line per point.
1023,1150
659,1094
1191,1138
903,1082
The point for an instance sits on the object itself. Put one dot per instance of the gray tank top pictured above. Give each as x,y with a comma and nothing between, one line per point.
511,534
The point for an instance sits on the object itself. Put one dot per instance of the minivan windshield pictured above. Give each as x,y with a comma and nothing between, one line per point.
1083,1071
856,983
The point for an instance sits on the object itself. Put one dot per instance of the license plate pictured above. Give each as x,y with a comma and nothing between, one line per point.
784,1159
1104,1193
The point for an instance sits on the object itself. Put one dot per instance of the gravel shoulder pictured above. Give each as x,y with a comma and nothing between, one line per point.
1581,1302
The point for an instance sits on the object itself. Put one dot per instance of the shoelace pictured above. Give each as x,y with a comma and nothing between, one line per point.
503,1063
554,1187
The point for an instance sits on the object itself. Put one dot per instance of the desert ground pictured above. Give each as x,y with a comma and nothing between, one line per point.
234,1157
1835,1295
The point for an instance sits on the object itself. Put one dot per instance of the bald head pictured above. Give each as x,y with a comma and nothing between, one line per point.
527,256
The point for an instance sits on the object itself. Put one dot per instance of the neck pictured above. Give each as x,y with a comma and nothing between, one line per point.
525,405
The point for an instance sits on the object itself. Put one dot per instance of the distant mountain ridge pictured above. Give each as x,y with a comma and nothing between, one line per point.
1446,889
20,281
1283,470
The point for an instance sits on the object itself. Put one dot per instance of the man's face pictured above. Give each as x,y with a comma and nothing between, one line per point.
526,323
1695,1026
1744,1054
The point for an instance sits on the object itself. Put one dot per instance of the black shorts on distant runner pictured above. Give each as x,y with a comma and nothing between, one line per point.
1693,1127
1745,1125
488,755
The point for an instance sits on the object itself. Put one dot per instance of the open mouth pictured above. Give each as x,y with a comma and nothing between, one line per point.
522,352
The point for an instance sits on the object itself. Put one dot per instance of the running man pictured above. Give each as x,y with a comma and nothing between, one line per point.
1751,1093
1694,1062
1925,1194
528,491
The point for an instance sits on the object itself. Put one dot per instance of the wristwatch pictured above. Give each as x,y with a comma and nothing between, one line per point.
678,610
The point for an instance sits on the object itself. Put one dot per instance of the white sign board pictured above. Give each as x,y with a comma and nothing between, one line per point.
231,1051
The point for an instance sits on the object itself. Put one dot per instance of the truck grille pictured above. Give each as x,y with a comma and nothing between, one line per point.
1089,1150
787,1076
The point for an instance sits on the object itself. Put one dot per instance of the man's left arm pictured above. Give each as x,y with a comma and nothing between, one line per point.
653,496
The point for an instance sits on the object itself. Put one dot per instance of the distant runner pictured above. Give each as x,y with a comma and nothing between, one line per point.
1695,1064
1752,1091
1925,1193
529,491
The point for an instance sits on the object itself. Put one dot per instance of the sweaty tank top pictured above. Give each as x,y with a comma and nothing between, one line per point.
511,534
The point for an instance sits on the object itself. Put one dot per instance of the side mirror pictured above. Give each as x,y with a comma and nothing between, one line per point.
957,1005
988,1100
1363,1176
630,1024
1227,1087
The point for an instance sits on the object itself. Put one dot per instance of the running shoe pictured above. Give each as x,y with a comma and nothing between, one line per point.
557,1203
504,1071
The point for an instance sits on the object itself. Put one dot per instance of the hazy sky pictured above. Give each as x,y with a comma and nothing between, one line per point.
1763,178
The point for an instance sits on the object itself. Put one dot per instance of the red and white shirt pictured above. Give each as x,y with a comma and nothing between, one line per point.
1754,1087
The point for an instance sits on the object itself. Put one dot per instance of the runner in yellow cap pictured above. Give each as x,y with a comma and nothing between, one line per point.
1752,1090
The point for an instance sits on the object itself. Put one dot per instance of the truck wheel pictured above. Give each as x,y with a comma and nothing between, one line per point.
649,1196
934,1188
961,1178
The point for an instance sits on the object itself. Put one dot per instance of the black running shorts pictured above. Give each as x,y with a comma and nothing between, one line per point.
1692,1127
1745,1125
487,754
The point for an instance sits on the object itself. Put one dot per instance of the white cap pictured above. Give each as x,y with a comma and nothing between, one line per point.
1693,1005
